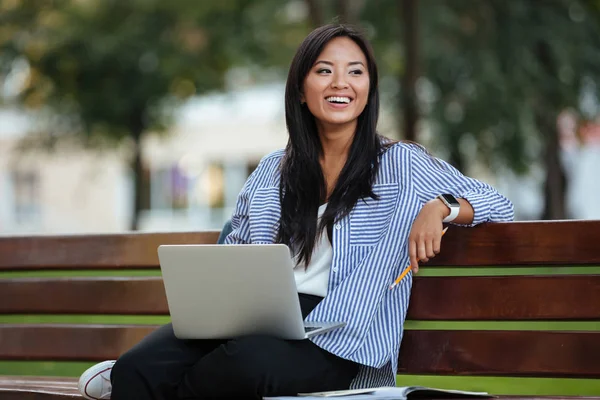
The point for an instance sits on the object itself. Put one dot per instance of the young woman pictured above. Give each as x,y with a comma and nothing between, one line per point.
355,208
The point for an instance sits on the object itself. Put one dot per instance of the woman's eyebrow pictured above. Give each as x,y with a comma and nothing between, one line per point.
349,64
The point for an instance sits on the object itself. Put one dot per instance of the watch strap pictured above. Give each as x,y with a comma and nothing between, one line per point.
453,214
454,208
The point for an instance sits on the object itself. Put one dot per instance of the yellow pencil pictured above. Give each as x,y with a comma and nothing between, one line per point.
403,274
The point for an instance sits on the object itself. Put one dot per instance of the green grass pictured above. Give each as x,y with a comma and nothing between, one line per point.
429,325
84,319
424,271
507,386
496,385
78,273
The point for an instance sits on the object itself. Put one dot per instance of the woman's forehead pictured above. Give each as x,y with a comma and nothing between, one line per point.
342,50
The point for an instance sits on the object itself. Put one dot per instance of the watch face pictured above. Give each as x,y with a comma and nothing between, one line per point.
451,199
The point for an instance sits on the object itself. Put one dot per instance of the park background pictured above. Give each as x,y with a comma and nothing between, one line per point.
149,115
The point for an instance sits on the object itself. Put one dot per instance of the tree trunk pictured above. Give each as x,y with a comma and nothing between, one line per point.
456,158
409,16
315,13
343,11
555,186
547,108
136,168
137,128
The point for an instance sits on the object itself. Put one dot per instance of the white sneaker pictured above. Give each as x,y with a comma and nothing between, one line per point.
94,383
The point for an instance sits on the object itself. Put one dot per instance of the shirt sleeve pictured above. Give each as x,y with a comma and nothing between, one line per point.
240,224
432,176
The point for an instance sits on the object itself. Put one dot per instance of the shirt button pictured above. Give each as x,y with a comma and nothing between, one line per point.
338,226
334,269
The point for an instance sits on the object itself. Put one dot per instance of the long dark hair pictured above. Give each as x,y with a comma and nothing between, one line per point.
302,187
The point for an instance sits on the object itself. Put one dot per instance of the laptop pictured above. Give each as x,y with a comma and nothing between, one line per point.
226,291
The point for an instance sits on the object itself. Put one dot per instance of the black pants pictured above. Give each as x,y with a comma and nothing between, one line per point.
162,367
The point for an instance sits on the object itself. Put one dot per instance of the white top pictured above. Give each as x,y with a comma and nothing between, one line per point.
315,279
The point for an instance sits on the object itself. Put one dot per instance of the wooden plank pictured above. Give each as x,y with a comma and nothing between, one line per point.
521,243
514,243
46,388
501,353
110,295
68,342
130,250
38,387
570,297
494,353
19,394
38,382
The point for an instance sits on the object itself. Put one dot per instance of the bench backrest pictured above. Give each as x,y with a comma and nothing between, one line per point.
570,248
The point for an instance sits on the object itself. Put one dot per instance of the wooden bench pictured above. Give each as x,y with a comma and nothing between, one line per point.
459,352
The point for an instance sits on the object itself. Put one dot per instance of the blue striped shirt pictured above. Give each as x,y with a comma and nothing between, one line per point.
370,249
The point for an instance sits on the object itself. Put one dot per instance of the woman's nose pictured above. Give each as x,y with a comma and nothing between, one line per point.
339,82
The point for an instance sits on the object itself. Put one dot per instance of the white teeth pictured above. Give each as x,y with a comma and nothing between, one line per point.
338,99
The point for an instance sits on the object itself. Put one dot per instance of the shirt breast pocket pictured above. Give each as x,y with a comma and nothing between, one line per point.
265,210
370,219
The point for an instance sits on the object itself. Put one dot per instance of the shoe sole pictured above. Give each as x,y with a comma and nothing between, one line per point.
90,374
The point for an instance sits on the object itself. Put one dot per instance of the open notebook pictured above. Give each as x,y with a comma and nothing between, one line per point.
389,393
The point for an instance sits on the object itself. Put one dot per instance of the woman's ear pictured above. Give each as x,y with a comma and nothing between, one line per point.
302,99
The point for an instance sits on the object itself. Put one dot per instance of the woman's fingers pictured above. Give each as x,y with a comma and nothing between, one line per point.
437,244
412,253
423,247
422,250
429,248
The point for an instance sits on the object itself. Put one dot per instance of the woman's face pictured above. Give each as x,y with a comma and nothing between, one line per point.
336,88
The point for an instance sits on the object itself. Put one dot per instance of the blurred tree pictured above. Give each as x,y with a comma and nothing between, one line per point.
315,12
409,15
489,78
321,12
482,75
498,70
111,69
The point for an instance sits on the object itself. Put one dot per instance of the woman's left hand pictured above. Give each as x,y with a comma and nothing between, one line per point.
426,233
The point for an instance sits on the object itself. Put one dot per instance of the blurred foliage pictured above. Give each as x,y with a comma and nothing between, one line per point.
494,74
501,73
494,77
110,63
497,65
113,69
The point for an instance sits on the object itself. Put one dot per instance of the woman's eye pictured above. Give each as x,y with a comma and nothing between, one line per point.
356,72
323,70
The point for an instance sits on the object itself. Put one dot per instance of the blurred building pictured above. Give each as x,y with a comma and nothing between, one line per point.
193,173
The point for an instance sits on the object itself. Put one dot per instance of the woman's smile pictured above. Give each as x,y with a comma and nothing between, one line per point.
336,88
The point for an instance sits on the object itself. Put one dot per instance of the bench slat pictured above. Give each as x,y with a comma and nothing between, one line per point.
38,387
27,394
523,243
558,297
571,297
107,295
68,342
496,353
133,250
501,353
17,388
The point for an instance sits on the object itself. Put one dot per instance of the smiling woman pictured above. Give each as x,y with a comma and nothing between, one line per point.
355,209
332,107
337,87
